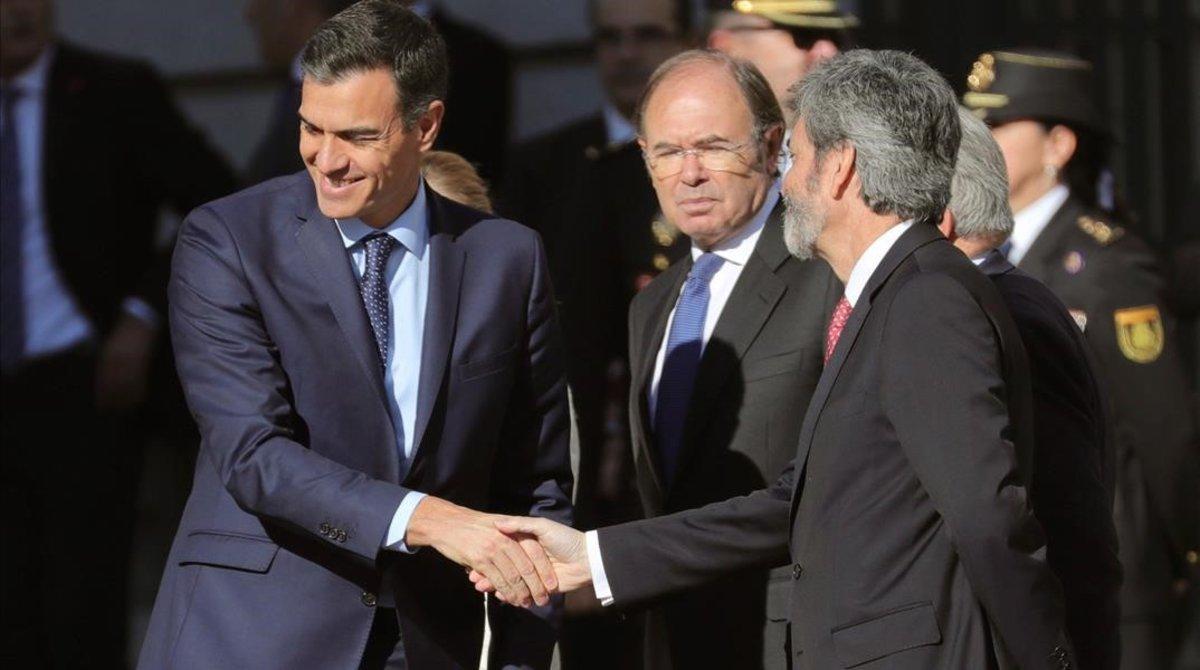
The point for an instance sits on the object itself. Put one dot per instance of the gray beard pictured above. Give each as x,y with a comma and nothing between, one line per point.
802,225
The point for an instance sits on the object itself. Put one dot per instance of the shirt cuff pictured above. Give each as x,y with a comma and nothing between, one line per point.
596,563
142,310
399,527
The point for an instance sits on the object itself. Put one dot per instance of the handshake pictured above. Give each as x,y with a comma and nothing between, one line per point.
522,561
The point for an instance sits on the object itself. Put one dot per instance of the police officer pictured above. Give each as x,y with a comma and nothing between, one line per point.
1042,113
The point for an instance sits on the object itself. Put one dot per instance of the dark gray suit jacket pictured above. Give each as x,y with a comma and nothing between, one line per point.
905,509
277,559
758,371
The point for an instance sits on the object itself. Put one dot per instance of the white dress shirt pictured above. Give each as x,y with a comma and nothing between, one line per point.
407,274
736,252
864,267
1031,221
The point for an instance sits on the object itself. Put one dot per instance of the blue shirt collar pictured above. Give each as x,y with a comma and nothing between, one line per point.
411,228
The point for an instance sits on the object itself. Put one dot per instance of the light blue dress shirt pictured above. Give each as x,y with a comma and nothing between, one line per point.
53,320
407,274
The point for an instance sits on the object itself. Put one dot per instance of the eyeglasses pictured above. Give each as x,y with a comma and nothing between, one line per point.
665,163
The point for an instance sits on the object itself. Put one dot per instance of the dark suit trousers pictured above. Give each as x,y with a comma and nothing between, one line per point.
384,651
69,486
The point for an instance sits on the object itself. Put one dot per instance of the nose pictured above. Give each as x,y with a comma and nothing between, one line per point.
693,172
329,158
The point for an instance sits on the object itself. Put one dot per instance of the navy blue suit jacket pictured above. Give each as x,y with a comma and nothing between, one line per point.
1072,489
277,561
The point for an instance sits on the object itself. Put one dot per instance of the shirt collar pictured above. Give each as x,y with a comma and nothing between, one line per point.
410,229
865,266
1031,221
35,77
737,248
617,129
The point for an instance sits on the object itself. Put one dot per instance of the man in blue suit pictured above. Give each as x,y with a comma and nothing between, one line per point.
365,360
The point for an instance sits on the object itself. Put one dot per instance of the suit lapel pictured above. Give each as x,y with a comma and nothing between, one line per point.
918,235
330,266
447,261
667,289
751,303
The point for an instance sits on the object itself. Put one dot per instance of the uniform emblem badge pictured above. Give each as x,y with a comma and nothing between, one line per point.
1073,262
1140,333
1080,317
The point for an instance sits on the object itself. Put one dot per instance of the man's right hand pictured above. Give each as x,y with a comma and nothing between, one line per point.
566,547
514,564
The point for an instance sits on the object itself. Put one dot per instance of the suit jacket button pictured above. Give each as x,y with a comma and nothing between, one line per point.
368,599
797,571
341,536
323,529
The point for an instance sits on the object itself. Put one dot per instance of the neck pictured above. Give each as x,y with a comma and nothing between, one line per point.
384,218
848,240
973,247
1032,193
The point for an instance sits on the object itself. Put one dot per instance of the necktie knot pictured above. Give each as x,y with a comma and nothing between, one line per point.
837,322
705,267
379,246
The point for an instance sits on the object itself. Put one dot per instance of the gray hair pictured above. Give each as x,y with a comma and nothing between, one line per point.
900,116
754,87
374,34
979,193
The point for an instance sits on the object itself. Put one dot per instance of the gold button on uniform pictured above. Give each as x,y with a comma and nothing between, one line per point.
661,262
1193,557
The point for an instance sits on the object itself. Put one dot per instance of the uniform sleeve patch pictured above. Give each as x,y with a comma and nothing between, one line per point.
1140,333
1100,231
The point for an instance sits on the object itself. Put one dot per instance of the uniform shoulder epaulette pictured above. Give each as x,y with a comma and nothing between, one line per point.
1098,230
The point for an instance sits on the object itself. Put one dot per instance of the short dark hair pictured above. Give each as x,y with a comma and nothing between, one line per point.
683,14
375,34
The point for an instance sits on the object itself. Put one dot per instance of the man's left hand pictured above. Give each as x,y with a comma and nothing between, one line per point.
123,368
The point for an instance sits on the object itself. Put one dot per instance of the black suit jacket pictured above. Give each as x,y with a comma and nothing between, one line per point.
479,101
1073,463
758,370
116,151
1106,275
904,511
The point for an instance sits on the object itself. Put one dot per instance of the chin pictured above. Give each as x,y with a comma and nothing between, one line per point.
338,210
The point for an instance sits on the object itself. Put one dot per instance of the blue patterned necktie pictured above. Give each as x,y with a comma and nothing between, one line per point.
374,288
682,359
12,307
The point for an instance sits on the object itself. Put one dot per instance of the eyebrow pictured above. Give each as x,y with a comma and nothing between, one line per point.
707,139
356,132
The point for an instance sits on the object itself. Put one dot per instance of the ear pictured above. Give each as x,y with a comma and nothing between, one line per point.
1060,145
719,40
430,123
773,143
822,50
844,173
948,225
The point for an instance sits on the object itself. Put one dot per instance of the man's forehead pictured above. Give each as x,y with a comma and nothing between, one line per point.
695,92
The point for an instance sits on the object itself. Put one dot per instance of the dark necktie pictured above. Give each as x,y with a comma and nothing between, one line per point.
374,288
682,359
12,307
837,322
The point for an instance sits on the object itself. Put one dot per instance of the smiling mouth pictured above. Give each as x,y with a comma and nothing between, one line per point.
335,184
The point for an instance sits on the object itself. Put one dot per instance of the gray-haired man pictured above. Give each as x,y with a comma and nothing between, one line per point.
1072,471
904,510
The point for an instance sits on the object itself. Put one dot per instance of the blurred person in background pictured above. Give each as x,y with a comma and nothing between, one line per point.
1041,109
584,188
1071,491
725,346
93,147
478,104
783,38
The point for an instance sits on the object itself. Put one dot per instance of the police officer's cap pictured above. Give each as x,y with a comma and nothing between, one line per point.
1033,84
805,14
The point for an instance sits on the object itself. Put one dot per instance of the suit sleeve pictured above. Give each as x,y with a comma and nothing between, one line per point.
532,474
648,559
943,391
179,164
238,394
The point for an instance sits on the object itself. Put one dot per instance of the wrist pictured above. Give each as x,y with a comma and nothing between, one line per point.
428,519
